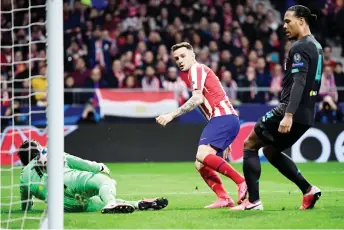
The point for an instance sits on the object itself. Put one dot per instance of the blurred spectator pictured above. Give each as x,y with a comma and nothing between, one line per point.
4,93
130,82
239,70
81,73
263,31
116,76
329,111
39,85
249,27
240,14
245,45
203,57
99,49
163,19
263,79
328,61
249,96
328,84
5,59
150,82
272,20
227,43
127,64
339,78
161,69
139,53
174,83
214,66
214,52
154,41
259,48
276,84
148,60
95,81
230,86
75,53
20,66
252,58
225,61
260,11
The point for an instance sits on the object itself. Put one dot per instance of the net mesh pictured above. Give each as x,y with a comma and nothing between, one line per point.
23,101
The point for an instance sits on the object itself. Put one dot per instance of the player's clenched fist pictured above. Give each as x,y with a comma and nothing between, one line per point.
163,120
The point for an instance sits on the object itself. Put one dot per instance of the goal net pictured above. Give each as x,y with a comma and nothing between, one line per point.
24,99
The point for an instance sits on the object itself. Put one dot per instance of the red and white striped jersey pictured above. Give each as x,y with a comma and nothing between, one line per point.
216,102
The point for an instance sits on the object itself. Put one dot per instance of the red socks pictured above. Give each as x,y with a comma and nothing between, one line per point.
220,165
214,182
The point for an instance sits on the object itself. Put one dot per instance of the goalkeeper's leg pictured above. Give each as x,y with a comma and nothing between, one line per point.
105,188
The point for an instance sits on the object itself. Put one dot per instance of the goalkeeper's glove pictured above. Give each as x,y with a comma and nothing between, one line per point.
27,205
104,169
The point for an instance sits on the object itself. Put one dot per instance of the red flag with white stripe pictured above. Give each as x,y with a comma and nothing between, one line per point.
136,104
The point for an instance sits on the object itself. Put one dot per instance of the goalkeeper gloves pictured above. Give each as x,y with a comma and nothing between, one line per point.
104,169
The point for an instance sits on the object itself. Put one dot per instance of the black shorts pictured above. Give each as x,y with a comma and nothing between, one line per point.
267,130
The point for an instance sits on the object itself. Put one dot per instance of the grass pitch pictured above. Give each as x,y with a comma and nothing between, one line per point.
188,194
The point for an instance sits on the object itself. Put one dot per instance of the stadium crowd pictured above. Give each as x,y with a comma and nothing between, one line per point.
126,44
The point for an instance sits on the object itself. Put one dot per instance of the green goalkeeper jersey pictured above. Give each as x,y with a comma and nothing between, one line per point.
76,173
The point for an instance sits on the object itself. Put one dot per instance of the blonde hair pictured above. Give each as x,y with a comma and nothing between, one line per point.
181,45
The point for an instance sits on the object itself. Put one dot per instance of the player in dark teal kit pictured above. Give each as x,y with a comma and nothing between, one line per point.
280,128
87,184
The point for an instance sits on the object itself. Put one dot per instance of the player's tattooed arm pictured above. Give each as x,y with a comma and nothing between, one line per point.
196,99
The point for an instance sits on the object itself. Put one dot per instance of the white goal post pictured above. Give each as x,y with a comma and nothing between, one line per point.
55,113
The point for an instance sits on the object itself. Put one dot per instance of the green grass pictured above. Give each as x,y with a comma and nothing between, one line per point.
188,194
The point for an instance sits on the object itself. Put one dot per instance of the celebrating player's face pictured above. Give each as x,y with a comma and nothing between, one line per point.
291,25
184,58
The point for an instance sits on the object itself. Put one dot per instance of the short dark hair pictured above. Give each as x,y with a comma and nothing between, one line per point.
303,12
28,150
181,45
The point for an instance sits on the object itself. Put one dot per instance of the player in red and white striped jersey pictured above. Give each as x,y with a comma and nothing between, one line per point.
222,128
216,102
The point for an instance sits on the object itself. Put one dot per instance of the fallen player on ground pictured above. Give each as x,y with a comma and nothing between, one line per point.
88,186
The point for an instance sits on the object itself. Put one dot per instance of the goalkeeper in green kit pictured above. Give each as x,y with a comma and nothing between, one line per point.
87,184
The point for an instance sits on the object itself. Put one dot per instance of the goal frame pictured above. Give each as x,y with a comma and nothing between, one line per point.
55,112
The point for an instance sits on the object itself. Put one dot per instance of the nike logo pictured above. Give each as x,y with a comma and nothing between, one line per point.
203,139
252,207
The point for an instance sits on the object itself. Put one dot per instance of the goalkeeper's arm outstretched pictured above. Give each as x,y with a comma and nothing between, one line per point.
87,184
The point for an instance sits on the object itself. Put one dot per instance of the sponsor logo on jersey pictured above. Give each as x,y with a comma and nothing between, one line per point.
300,64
